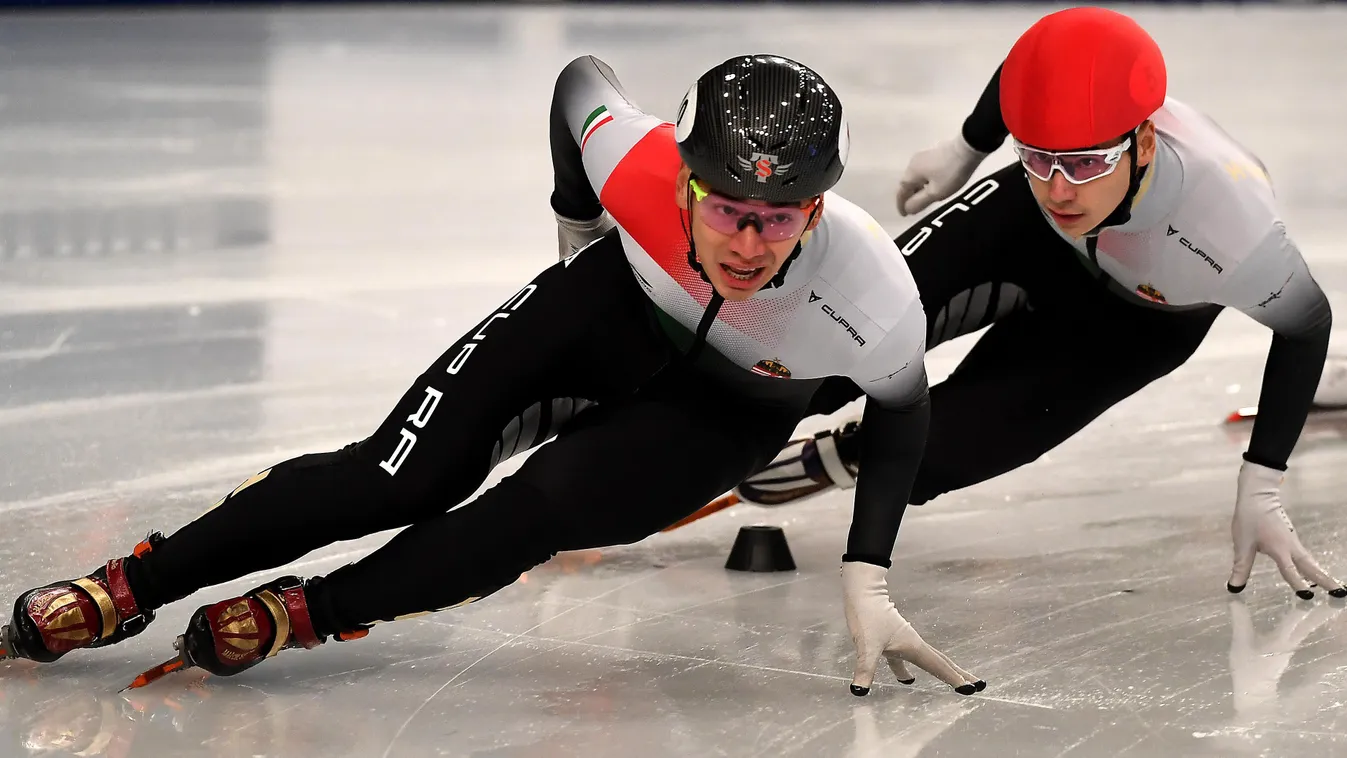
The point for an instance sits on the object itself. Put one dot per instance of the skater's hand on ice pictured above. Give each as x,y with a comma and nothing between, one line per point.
878,630
936,173
1260,525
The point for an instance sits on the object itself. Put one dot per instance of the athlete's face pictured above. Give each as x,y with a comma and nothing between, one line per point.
1078,208
741,244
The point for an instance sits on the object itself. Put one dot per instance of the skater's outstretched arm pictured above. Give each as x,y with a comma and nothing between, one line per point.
1299,315
984,129
1301,320
941,170
893,436
593,125
892,440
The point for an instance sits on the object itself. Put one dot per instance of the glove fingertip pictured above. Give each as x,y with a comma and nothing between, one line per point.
859,691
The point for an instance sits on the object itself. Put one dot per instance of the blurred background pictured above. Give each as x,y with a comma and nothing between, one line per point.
315,147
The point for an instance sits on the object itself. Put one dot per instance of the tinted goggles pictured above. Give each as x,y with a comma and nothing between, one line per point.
774,223
1078,166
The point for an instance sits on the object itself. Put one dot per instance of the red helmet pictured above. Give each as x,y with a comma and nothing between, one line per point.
1079,78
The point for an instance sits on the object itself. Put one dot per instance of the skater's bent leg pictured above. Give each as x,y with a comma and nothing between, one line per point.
617,476
1030,384
440,441
833,395
276,517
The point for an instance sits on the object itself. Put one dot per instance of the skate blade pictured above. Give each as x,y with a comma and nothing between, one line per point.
176,663
1317,412
156,673
715,506
1242,414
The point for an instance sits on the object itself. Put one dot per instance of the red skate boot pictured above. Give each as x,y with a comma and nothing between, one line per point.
92,611
234,635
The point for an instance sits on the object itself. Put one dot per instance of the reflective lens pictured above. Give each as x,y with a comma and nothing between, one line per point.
1078,166
774,222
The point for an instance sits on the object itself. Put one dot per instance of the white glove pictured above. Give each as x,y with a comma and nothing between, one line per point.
878,629
1260,525
936,173
572,235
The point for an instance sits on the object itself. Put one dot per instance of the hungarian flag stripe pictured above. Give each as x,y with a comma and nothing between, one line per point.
598,118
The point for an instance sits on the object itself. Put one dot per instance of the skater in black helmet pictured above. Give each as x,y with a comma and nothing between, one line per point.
692,334
1099,260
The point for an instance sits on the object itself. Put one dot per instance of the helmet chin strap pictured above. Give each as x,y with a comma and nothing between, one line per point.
780,278
693,263
1123,213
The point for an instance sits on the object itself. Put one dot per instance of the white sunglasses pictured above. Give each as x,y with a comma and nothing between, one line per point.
1078,166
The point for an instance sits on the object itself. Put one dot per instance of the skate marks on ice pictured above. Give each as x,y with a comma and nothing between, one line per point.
1122,633
616,637
594,670
1088,616
1085,604
564,704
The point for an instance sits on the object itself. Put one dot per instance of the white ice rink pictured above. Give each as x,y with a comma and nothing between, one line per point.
229,239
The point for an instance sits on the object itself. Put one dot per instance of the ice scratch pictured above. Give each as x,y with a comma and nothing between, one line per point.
492,652
39,353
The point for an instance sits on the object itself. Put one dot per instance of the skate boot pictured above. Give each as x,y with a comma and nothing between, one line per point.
234,635
92,611
807,466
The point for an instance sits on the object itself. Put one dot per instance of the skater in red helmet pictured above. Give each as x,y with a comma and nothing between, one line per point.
1099,259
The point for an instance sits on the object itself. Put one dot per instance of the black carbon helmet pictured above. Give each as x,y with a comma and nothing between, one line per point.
763,127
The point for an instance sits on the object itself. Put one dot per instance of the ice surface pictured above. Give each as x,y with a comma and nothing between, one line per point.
229,239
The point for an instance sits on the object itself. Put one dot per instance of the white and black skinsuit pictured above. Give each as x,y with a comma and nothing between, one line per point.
1077,326
683,395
